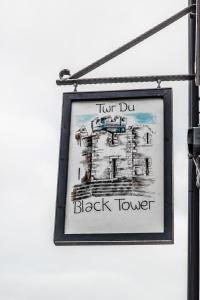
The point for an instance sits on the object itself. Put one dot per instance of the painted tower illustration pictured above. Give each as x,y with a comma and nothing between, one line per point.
113,158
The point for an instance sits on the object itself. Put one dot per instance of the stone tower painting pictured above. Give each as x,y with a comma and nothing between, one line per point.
114,160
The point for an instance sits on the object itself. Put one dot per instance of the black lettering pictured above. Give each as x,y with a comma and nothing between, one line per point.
95,206
150,204
106,109
131,107
112,107
124,204
144,204
89,206
105,204
78,206
135,207
123,106
119,202
100,106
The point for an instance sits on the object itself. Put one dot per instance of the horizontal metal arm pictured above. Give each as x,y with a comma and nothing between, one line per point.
134,42
125,79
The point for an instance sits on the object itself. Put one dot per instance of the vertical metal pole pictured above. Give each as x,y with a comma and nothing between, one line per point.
193,193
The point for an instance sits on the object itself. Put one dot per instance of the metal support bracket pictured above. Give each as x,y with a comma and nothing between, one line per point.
65,78
103,80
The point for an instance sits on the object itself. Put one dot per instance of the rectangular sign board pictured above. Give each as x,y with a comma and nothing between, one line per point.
115,168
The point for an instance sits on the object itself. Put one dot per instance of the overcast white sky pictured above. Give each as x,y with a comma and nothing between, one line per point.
38,39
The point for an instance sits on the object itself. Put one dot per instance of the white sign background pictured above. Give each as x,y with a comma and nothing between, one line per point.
115,219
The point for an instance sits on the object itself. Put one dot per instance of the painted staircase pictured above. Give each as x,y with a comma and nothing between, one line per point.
109,188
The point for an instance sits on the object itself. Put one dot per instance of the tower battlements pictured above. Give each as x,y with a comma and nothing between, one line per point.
115,124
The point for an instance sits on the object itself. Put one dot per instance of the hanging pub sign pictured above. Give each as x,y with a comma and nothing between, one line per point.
115,168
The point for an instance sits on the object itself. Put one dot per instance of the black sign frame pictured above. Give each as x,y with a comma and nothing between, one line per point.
167,237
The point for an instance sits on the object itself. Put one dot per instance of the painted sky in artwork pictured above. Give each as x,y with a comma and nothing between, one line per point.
137,117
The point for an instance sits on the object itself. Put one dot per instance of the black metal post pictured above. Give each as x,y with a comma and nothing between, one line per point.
193,193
